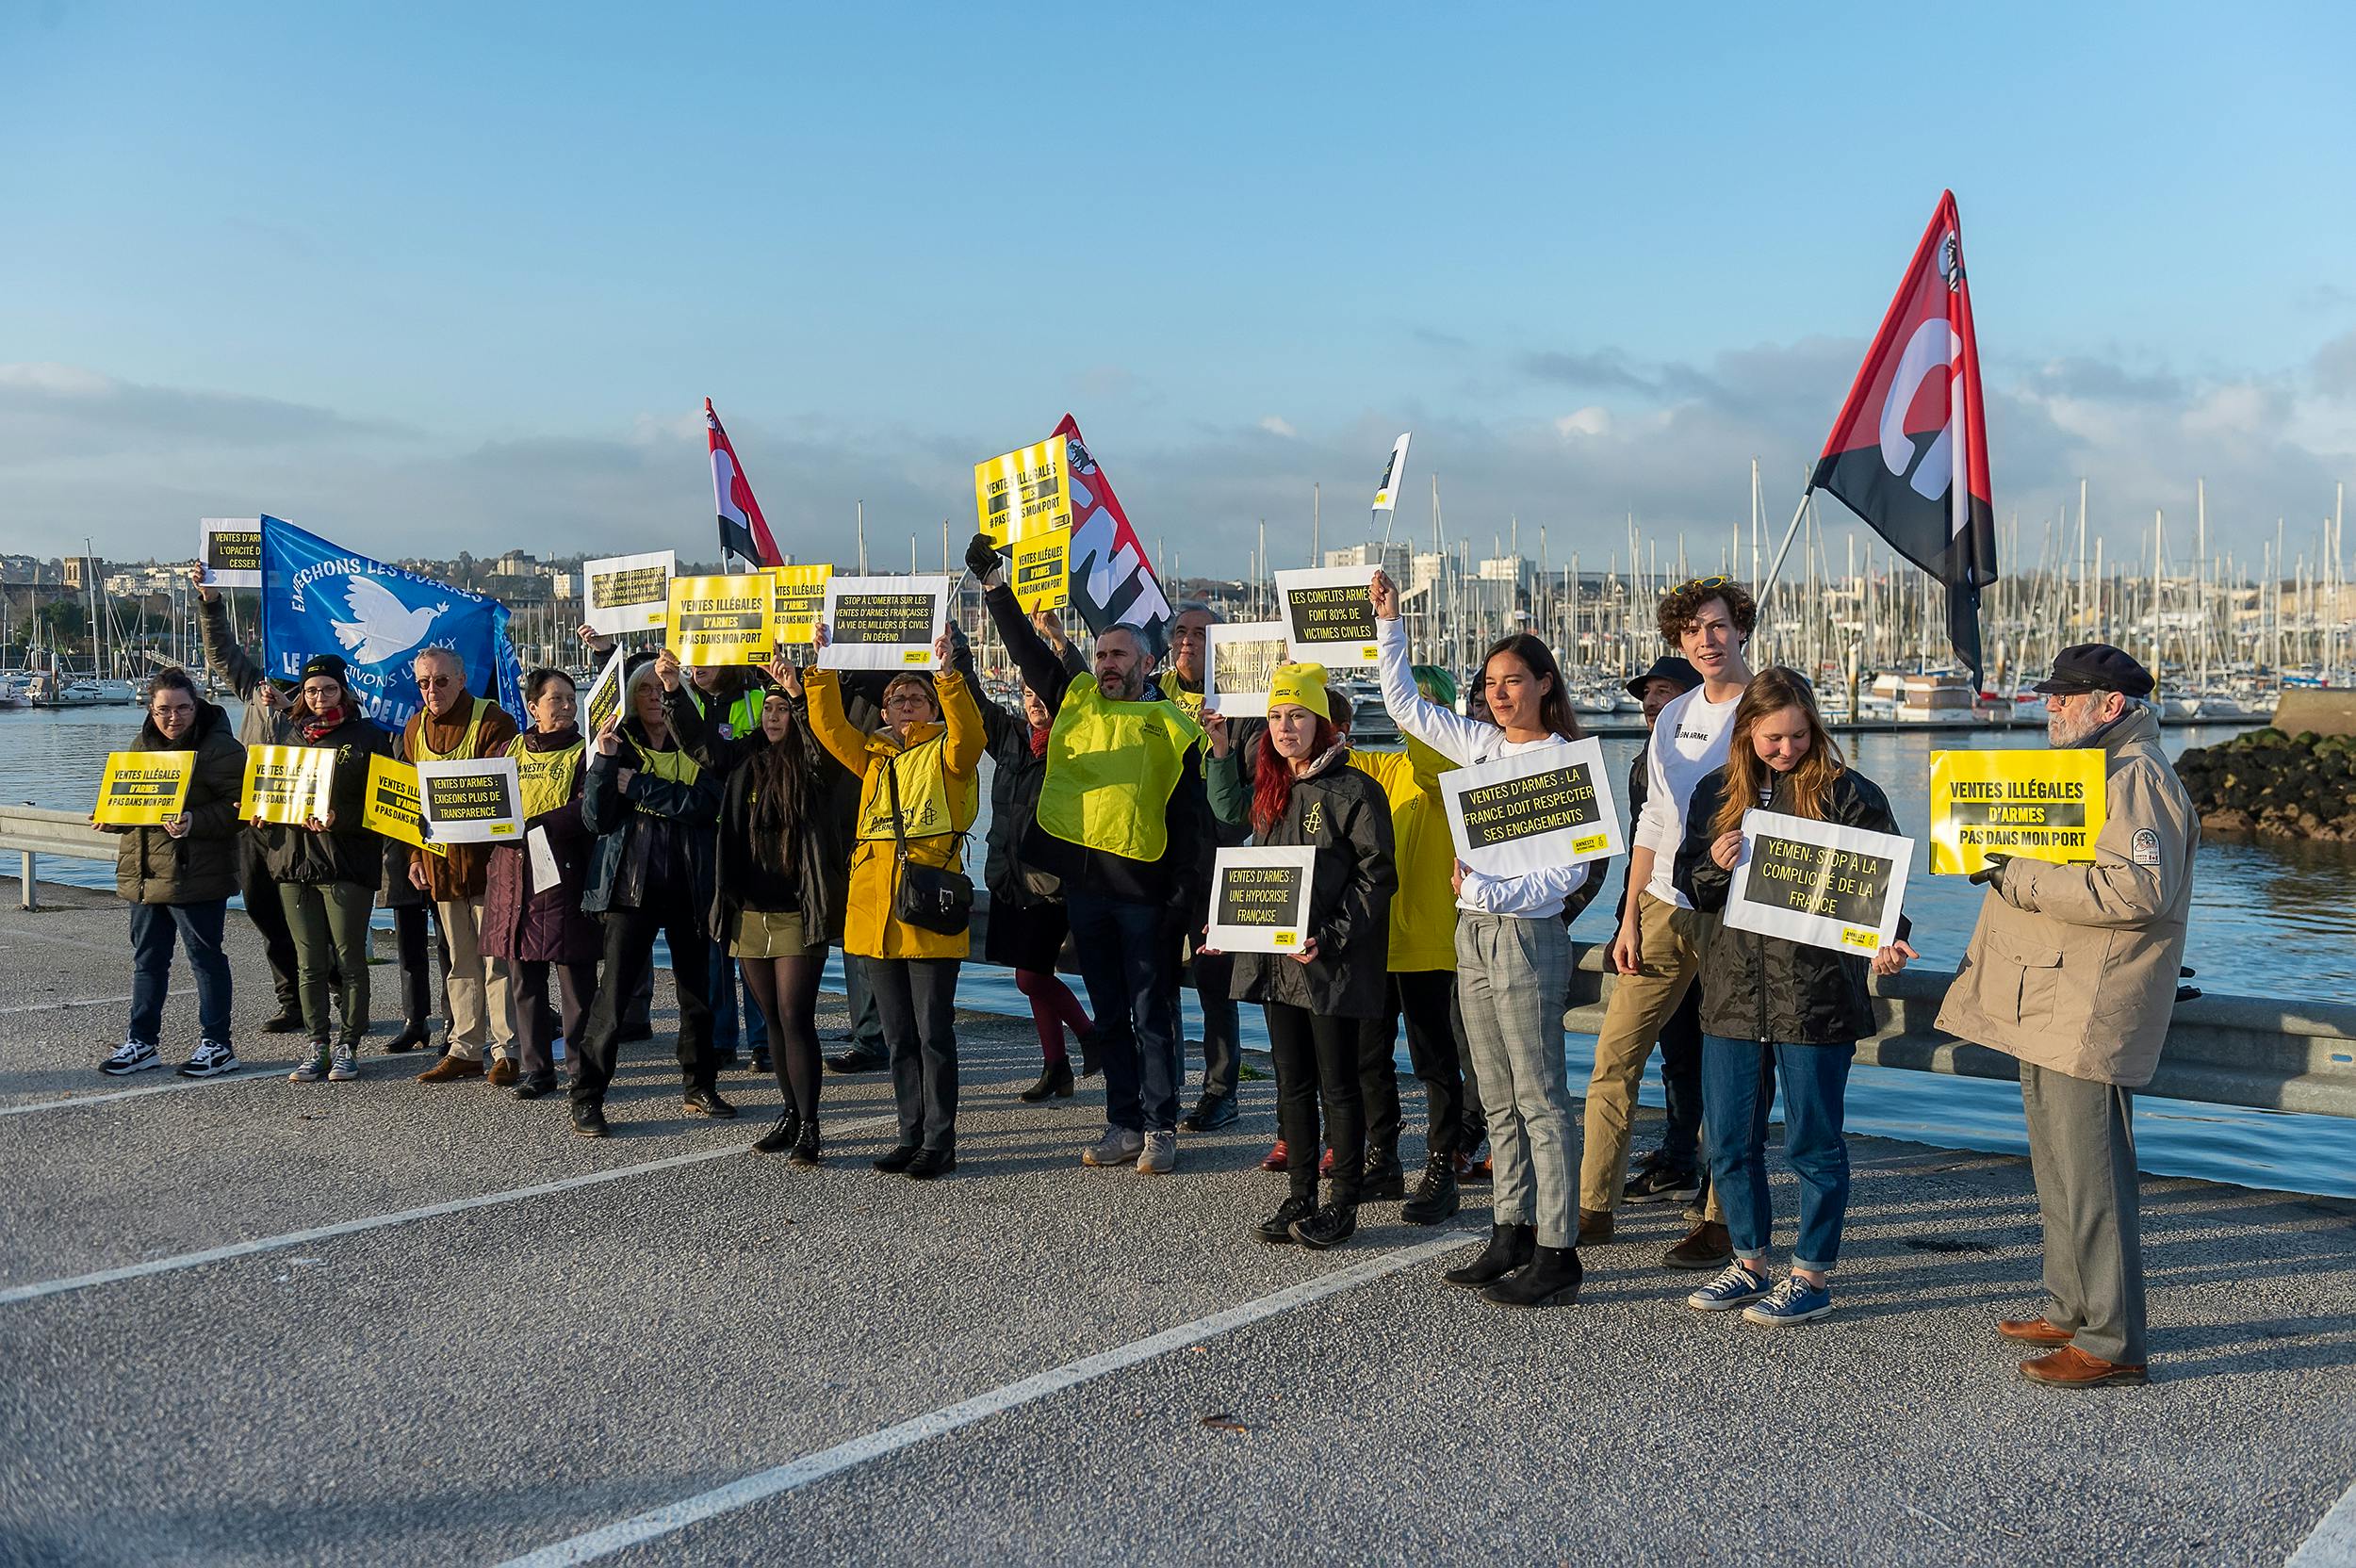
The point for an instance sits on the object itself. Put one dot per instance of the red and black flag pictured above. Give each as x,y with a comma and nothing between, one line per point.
1112,579
744,533
1909,452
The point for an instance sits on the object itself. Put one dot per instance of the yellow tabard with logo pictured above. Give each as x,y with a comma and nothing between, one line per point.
547,777
674,764
463,751
1111,768
1190,702
931,803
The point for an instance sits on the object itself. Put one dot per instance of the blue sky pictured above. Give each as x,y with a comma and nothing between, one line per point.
434,276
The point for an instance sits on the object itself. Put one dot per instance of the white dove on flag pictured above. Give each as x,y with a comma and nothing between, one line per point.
386,626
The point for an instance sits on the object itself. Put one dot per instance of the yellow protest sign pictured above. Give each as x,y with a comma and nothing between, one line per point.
1022,493
393,804
799,599
140,789
721,620
2046,805
1042,570
286,784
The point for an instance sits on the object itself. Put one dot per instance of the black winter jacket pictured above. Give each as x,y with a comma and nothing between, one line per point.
1015,777
824,859
1345,816
647,833
1761,988
151,866
348,852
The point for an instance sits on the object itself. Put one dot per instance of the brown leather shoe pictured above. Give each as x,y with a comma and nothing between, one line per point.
449,1069
503,1073
1707,1246
2033,1330
1594,1226
2072,1367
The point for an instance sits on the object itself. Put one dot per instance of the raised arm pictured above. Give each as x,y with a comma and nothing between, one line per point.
1453,735
230,661
844,742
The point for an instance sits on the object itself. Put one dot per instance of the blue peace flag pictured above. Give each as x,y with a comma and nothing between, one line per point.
318,597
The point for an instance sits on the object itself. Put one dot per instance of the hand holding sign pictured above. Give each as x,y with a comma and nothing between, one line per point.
1819,883
1726,849
1385,594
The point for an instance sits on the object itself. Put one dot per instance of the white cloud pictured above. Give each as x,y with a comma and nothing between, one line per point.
1594,419
1276,425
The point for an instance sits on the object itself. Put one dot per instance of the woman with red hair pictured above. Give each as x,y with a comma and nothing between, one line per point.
1305,793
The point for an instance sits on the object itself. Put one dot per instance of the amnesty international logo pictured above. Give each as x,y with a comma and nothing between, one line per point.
1312,820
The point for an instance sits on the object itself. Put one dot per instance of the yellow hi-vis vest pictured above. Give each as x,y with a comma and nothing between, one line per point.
463,751
1189,703
547,777
673,764
931,803
1111,769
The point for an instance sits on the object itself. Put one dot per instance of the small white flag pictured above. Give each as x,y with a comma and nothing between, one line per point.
1386,495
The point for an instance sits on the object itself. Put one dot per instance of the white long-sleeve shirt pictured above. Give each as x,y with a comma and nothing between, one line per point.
1535,895
1687,745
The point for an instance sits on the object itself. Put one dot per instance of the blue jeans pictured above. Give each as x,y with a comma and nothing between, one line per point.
198,927
1129,958
722,987
1734,1113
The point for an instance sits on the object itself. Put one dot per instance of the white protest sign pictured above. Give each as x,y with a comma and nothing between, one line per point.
230,549
604,697
1327,615
1535,810
1819,883
1239,664
883,623
623,593
1260,899
472,802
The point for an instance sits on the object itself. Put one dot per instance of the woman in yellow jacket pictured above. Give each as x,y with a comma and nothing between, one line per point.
1422,968
921,785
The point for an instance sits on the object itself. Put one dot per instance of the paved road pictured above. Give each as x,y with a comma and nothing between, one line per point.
510,1339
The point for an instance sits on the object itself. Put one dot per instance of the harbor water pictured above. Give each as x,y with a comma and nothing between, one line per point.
2271,918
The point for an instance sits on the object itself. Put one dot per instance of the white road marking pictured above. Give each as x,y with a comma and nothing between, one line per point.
59,1007
658,1522
176,1082
14,1294
2333,1543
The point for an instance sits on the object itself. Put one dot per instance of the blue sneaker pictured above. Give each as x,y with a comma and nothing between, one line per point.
1738,1284
1794,1302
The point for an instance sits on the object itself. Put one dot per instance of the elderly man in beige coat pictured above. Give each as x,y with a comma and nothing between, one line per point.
2072,968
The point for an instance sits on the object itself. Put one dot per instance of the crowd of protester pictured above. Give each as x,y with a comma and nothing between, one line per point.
756,819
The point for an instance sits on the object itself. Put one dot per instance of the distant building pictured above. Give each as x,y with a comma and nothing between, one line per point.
1395,559
81,571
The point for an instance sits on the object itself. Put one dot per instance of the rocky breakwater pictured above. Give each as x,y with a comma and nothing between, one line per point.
2280,786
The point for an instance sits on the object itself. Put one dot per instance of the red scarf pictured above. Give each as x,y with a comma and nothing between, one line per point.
317,725
1038,741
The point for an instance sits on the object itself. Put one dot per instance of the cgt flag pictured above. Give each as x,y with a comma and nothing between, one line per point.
1112,581
318,597
744,533
1909,452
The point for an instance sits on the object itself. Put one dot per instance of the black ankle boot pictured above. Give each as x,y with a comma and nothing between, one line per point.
806,1146
1510,1247
412,1036
1436,1197
1056,1079
1384,1181
777,1139
1328,1227
1549,1279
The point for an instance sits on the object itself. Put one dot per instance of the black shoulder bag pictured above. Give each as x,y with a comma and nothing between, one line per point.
927,897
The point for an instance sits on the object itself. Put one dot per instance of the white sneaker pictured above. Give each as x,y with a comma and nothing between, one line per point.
343,1067
210,1059
1118,1146
313,1068
131,1057
1160,1156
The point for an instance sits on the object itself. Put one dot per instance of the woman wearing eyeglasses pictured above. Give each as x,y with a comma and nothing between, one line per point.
1513,969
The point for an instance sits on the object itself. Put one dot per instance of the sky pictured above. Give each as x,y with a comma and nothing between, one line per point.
438,276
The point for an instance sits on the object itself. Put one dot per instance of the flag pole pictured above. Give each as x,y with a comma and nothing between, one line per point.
1798,512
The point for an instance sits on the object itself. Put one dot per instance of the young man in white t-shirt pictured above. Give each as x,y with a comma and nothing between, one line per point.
1709,620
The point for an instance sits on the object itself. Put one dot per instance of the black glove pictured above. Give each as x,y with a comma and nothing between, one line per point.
982,556
1994,873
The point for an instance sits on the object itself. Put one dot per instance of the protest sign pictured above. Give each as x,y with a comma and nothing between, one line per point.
1239,665
716,621
798,599
230,549
288,784
883,623
2047,805
1260,899
604,697
393,808
140,789
1329,616
1386,492
1819,883
470,803
623,593
1534,810
1022,493
1042,570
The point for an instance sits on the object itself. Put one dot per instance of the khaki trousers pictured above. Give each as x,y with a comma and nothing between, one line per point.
476,989
1640,1006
